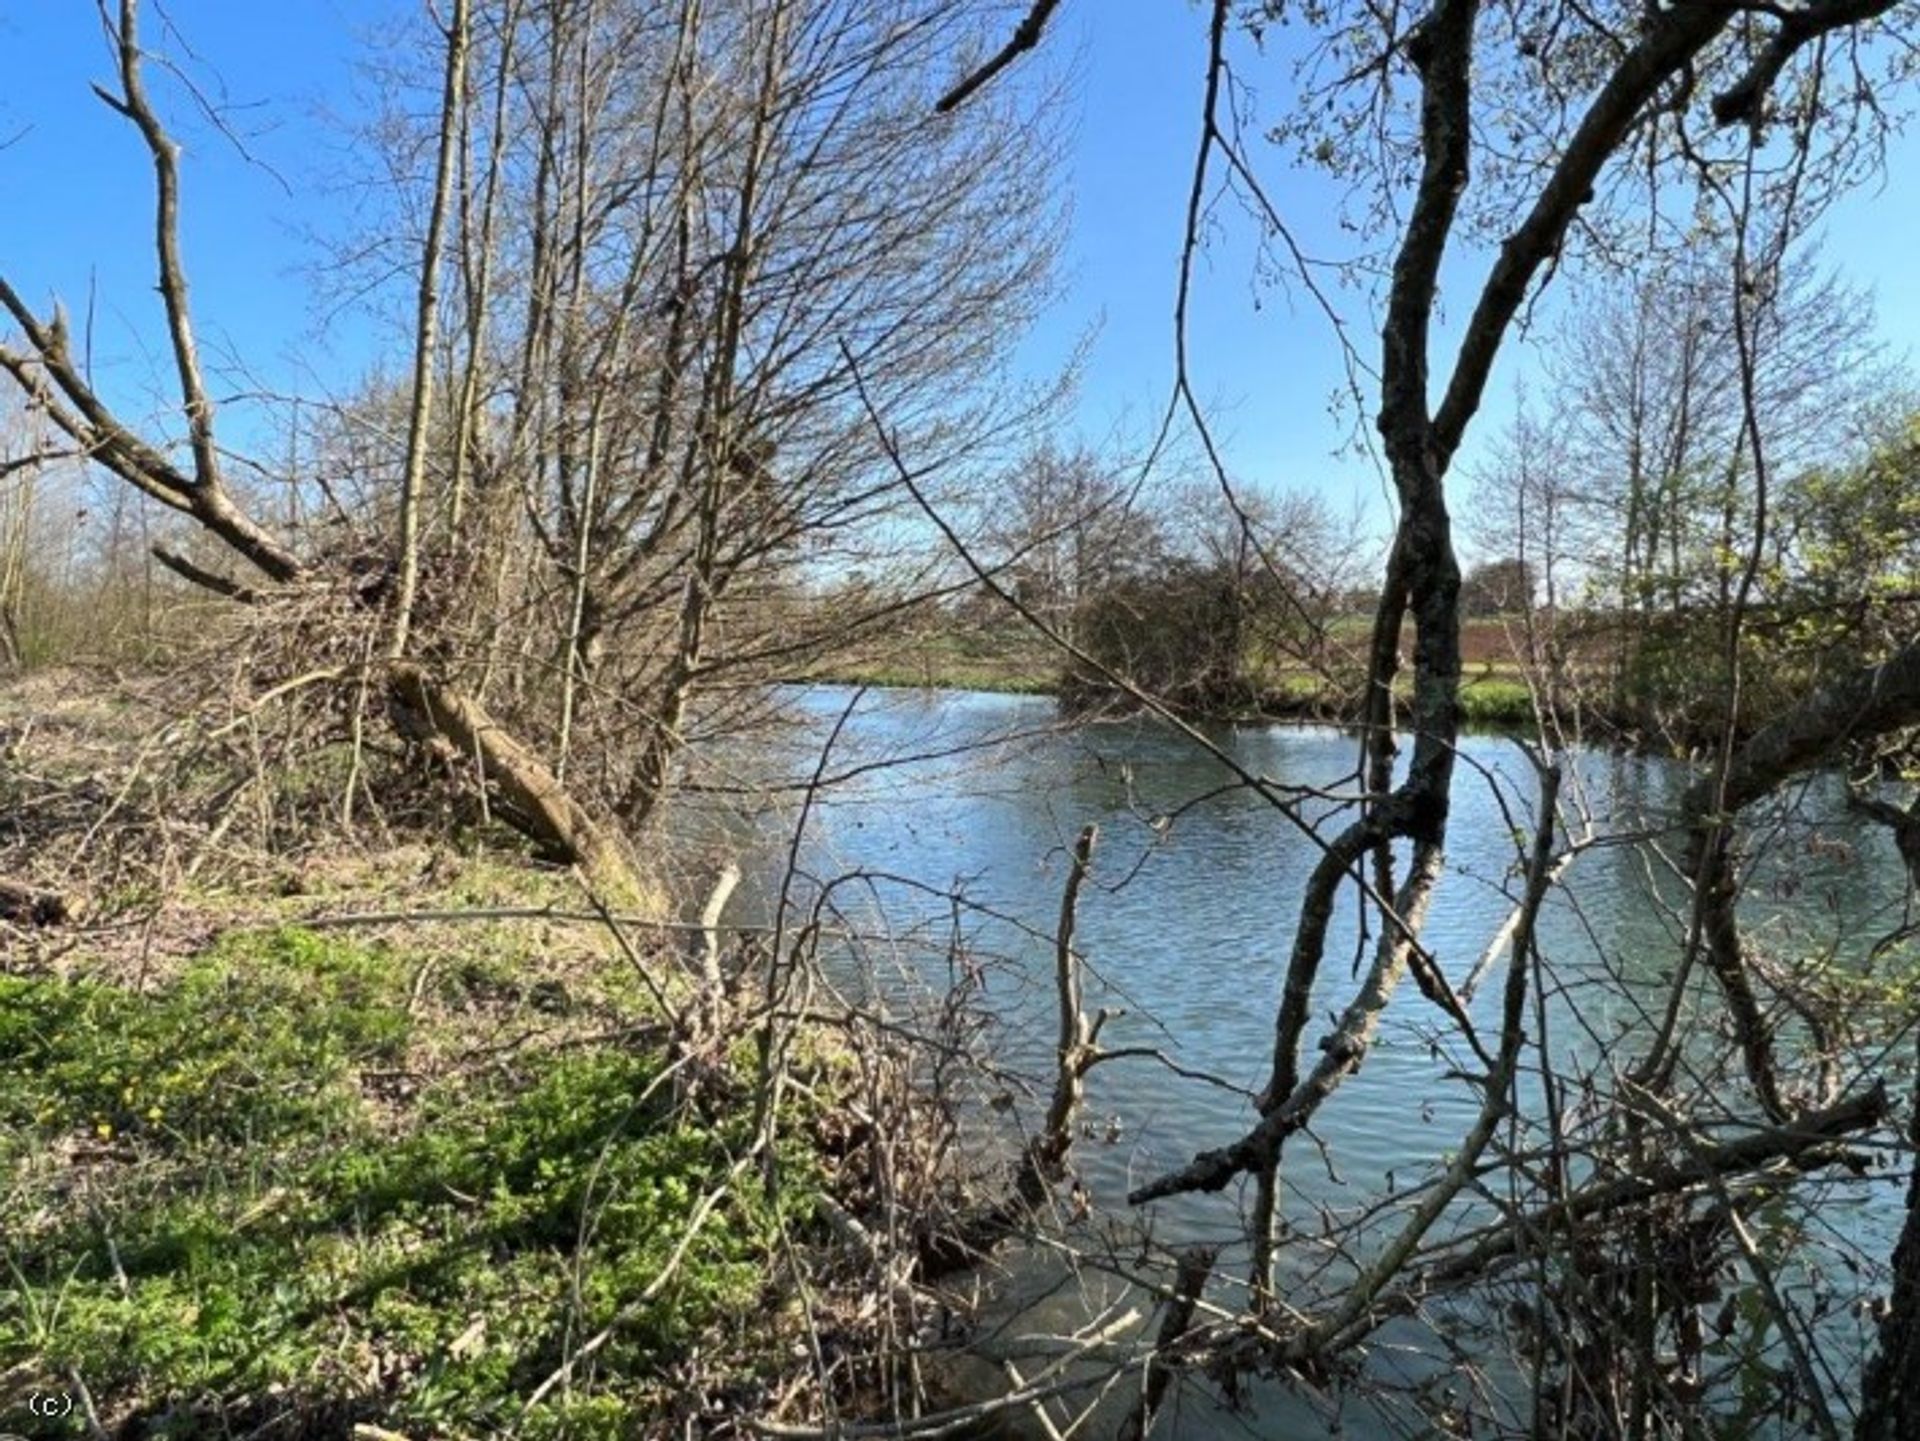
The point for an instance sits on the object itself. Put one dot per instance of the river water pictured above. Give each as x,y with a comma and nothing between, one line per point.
1189,913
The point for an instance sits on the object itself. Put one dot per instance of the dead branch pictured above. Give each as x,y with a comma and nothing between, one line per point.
206,579
1806,1143
1196,1266
1043,1160
964,1420
1497,1097
1075,1052
710,928
1025,37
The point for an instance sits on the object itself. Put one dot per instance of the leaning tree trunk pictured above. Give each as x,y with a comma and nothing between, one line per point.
1890,1390
60,387
545,810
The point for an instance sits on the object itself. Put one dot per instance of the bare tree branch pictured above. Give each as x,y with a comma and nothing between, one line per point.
1025,37
1745,100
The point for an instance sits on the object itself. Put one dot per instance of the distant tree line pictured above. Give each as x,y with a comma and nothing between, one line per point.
1629,521
1200,593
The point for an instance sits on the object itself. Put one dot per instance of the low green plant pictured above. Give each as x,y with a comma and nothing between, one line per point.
251,1043
1491,701
264,1236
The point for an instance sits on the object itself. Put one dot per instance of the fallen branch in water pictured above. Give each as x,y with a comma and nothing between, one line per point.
1196,1265
1043,1161
1076,1049
962,1419
1806,1143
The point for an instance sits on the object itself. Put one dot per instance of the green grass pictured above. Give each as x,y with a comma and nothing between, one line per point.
1495,698
951,677
251,1042
1496,701
1492,694
1013,663
233,1205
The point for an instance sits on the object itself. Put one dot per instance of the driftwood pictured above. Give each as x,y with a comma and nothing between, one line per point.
26,905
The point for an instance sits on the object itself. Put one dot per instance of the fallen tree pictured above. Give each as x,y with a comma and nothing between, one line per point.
441,716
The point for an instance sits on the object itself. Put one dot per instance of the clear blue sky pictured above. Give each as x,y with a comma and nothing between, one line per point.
75,185
74,215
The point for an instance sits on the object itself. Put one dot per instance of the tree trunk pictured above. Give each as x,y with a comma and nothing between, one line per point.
426,332
1890,1390
550,815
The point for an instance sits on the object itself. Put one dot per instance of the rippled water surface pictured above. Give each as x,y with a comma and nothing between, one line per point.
1195,891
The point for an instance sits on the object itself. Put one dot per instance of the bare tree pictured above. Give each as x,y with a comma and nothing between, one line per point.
1539,130
1645,486
426,328
23,453
1066,526
629,430
670,242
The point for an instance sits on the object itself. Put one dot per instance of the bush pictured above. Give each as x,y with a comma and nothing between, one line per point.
1493,702
1177,635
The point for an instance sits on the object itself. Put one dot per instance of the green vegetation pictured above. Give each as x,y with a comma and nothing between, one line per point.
1493,695
249,1194
1002,659
1496,701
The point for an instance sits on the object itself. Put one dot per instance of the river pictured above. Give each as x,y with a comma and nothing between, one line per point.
1189,914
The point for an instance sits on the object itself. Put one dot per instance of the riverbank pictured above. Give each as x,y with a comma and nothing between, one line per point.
1669,705
1493,692
409,1140
290,1177
1490,700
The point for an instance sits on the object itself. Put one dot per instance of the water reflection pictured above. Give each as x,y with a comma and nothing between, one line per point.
1196,889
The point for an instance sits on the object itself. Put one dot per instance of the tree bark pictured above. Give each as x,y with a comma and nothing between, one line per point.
1890,1389
549,813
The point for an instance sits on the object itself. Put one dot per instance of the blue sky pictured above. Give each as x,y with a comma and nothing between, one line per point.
74,218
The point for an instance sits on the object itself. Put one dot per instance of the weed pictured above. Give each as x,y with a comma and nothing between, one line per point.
259,1243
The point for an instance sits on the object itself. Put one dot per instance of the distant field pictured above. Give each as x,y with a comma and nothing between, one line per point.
1016,662
1485,640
